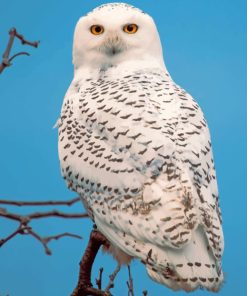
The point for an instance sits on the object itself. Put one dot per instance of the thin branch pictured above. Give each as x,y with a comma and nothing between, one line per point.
38,215
130,284
19,230
57,214
45,240
6,61
58,236
84,286
99,279
24,220
39,238
18,54
112,278
24,41
40,203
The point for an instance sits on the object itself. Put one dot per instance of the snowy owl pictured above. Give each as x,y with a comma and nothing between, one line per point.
136,147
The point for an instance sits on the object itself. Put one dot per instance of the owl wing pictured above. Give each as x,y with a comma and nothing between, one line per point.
201,169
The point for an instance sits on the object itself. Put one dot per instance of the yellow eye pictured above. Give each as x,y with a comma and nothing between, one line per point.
97,29
130,28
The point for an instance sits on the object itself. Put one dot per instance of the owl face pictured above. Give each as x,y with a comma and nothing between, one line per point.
112,34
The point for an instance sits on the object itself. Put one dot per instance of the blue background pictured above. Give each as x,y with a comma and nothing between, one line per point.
205,45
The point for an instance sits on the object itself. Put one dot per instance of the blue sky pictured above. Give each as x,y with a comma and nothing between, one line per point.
205,45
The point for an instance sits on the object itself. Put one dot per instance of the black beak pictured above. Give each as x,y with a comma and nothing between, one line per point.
114,50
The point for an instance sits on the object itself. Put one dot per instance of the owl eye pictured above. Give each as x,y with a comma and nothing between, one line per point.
130,28
97,29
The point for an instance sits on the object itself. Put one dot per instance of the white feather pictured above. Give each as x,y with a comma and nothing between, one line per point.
136,147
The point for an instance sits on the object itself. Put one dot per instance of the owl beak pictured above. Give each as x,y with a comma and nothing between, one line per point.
113,50
113,45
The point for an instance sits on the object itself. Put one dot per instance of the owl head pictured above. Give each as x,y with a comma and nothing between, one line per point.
113,34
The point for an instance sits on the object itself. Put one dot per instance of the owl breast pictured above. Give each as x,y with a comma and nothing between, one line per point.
112,131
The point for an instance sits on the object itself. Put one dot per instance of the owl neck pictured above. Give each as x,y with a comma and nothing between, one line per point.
115,69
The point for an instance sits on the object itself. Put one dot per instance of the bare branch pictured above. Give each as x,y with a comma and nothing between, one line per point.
24,220
6,61
112,278
57,237
130,284
19,230
18,54
99,280
57,214
39,238
84,286
40,203
24,41
45,240
38,215
5,214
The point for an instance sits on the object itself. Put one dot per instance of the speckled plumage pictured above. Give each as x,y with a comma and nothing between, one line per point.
136,147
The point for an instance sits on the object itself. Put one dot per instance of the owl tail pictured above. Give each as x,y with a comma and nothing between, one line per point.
187,268
191,267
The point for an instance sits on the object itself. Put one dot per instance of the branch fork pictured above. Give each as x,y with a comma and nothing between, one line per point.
6,61
97,239
24,221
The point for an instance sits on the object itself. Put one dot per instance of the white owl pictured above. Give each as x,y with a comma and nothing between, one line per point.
136,147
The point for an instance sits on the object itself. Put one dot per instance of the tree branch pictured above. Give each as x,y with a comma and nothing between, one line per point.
97,239
6,61
84,286
45,240
24,41
99,280
18,54
19,230
130,284
40,203
24,219
24,227
112,278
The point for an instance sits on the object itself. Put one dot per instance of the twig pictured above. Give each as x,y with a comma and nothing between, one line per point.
24,220
38,215
40,203
57,214
6,61
19,230
84,287
112,278
18,54
24,41
130,284
57,237
39,238
99,279
44,241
